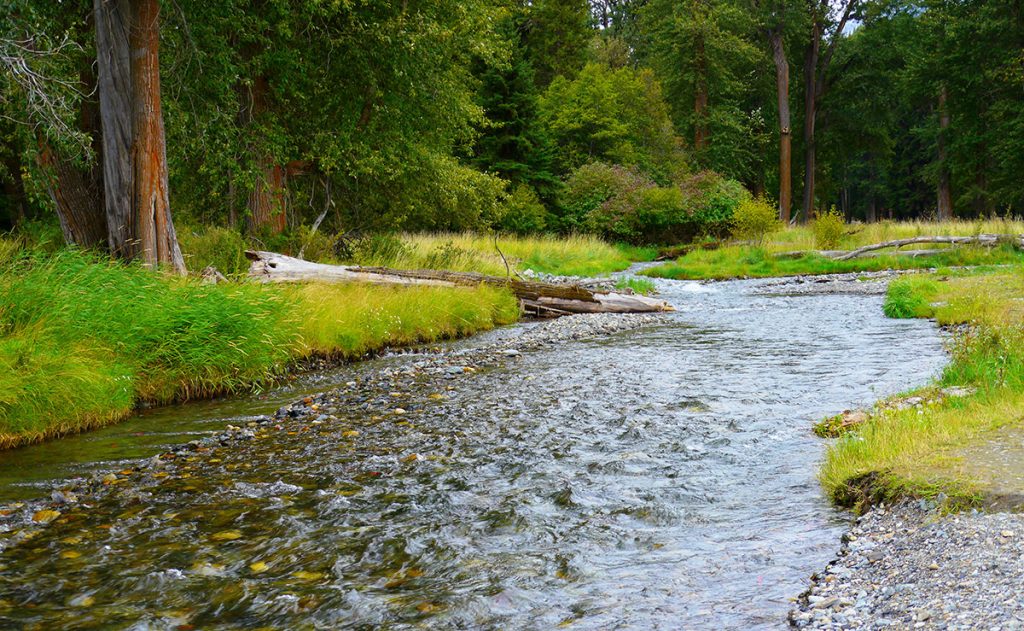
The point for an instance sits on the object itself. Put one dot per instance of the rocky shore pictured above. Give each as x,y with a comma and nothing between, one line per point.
911,567
386,391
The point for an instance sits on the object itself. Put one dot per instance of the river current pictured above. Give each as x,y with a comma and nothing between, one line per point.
660,478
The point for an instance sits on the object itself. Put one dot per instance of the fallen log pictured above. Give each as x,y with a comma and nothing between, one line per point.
833,254
1016,241
544,299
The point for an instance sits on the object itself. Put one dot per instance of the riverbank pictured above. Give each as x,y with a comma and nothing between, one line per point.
908,561
926,443
913,566
85,341
797,251
756,262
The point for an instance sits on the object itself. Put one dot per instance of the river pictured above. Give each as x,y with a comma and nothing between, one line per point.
658,478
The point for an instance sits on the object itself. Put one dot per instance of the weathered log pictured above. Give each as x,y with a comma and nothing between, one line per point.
981,239
541,298
832,254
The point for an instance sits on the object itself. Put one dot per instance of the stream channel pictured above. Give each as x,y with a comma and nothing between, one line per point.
657,478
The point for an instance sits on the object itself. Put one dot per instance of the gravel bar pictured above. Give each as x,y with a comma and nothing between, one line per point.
911,567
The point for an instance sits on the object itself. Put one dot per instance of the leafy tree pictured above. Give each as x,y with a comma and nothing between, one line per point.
612,115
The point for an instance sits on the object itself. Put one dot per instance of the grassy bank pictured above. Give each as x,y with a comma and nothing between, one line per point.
578,255
745,262
919,450
777,254
83,341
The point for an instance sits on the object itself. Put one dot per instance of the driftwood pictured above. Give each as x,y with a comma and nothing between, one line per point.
833,254
981,239
546,299
873,250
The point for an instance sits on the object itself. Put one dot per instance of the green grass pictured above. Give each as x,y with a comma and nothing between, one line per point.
858,235
576,255
83,340
638,285
745,262
914,452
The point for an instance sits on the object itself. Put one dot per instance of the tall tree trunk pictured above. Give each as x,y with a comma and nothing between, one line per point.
158,243
77,196
112,18
268,200
138,210
944,209
700,102
785,131
810,118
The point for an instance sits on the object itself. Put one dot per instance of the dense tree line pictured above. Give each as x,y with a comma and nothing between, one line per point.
634,118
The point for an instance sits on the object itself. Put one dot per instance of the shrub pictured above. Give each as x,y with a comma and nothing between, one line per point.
828,227
755,219
711,201
590,186
523,212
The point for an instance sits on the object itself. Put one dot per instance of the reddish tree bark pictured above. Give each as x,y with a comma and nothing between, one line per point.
268,201
137,205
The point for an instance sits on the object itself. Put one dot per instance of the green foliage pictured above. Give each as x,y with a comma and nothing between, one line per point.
611,115
711,201
623,204
755,219
829,227
523,212
715,44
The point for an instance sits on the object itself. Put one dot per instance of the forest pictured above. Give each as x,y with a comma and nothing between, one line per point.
132,124
524,314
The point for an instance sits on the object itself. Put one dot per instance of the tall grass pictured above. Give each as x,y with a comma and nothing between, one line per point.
858,235
745,262
580,255
83,340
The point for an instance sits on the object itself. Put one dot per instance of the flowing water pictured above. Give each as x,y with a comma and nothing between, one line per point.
657,478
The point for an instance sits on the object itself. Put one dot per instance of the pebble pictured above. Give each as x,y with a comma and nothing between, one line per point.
911,567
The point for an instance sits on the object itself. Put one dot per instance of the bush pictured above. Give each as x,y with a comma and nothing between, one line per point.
711,201
590,186
626,205
755,219
523,212
828,227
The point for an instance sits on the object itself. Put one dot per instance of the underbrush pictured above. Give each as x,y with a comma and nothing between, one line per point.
914,451
746,262
84,340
